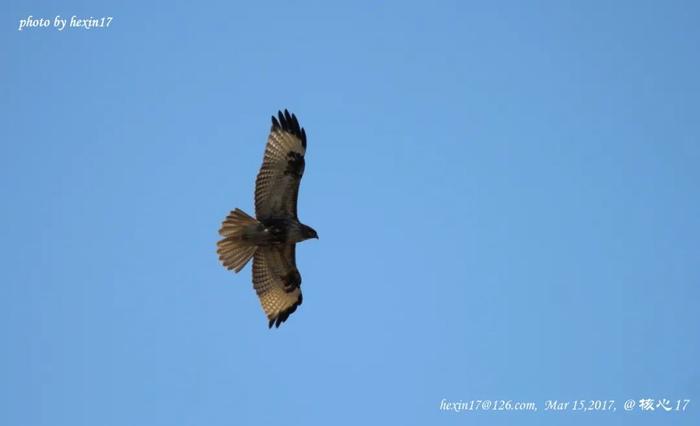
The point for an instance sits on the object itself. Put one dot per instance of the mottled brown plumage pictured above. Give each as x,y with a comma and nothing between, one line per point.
270,238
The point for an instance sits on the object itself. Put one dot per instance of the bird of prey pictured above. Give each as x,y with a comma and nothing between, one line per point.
270,238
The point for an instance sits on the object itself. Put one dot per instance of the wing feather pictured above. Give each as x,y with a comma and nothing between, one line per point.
277,282
277,184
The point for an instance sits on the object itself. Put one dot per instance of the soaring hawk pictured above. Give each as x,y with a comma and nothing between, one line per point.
271,237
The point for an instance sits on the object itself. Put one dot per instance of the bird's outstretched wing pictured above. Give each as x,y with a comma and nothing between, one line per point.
277,184
277,281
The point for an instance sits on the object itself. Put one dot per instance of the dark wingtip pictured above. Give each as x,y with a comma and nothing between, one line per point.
289,123
280,117
282,316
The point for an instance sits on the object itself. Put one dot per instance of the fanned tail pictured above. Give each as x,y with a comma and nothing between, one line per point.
236,249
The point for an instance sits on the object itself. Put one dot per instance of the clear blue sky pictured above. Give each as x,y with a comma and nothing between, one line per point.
507,197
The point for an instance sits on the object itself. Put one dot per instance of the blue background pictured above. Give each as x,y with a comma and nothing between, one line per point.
506,195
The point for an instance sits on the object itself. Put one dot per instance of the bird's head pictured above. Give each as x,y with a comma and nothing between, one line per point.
309,232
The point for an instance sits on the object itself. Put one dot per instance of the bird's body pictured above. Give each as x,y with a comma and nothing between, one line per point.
270,238
274,231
